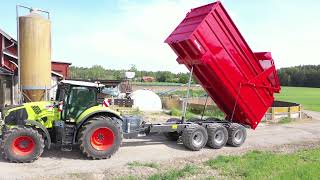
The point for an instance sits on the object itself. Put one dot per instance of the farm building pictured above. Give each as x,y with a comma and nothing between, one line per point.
9,71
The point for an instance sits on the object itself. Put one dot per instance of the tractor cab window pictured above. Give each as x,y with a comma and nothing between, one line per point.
80,98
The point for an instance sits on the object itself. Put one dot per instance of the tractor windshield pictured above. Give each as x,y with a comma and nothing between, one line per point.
80,98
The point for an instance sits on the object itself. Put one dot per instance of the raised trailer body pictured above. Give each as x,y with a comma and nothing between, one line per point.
240,82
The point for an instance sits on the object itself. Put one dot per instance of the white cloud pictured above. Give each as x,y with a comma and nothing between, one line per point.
136,37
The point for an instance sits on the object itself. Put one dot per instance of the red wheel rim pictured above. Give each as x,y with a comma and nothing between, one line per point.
23,145
102,139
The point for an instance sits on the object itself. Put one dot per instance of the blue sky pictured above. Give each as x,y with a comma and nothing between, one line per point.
119,33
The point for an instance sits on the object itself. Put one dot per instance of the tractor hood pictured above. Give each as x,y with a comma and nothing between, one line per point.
42,111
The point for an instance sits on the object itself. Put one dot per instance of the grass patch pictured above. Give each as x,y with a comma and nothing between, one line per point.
178,113
308,97
211,111
156,83
127,178
193,93
175,173
303,164
193,113
148,164
285,121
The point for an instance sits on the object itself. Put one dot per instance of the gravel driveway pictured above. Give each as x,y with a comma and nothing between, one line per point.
157,148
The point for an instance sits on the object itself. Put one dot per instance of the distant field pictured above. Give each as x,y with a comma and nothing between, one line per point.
308,97
156,84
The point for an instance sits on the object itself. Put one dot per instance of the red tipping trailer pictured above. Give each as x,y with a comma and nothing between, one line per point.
241,82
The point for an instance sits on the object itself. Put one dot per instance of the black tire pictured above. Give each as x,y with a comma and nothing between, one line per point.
173,136
237,135
217,136
194,137
106,129
22,145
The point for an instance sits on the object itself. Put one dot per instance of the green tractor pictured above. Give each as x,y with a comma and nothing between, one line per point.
77,116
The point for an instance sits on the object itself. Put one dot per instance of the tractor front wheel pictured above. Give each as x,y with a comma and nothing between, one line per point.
100,138
22,144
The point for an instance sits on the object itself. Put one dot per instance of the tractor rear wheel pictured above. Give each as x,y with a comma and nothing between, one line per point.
100,138
237,134
194,137
22,145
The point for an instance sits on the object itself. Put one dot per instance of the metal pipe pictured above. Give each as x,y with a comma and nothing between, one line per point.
2,49
204,107
18,57
34,9
185,103
12,89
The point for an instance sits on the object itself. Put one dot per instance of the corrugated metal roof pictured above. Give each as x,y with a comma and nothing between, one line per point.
61,62
7,36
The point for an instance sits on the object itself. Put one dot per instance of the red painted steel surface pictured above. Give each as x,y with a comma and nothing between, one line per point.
61,68
8,53
241,83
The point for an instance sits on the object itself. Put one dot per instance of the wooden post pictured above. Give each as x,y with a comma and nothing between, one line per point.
300,111
289,112
272,113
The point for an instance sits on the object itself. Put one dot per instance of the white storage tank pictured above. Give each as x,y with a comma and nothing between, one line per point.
146,100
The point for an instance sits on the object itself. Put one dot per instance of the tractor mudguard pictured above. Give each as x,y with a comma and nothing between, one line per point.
96,110
44,129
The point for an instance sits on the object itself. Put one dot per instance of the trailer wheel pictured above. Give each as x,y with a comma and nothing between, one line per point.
194,137
100,138
22,145
237,135
217,136
173,136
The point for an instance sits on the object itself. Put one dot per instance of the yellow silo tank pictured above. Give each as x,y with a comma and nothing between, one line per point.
35,56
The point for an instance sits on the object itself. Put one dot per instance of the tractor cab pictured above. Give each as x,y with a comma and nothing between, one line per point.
75,97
